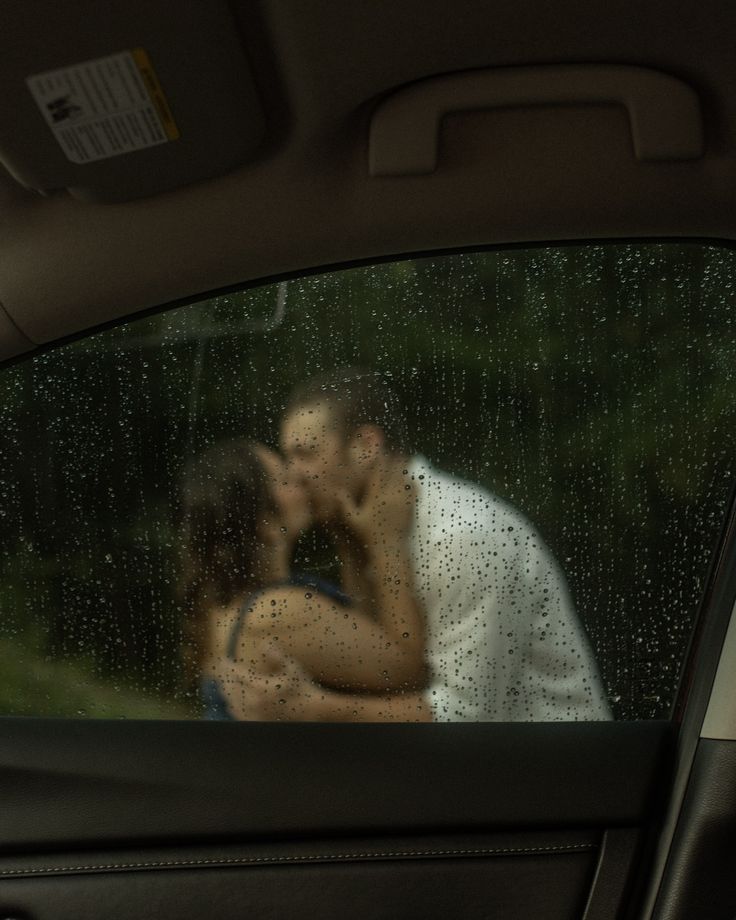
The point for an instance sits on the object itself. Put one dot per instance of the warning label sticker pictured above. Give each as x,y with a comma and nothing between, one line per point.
105,107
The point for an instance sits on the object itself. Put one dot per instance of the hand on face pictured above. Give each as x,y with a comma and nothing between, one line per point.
288,494
385,514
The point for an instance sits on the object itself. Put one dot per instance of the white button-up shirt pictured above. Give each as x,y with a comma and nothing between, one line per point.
503,640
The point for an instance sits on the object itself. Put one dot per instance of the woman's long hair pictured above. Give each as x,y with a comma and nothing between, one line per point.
225,499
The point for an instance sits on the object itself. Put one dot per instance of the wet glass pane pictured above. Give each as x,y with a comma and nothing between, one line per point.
480,486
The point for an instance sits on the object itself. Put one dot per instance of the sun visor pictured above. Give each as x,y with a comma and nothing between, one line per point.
115,101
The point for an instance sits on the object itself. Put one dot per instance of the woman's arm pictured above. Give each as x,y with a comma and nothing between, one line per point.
340,646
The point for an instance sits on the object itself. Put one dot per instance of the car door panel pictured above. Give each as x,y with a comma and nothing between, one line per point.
699,880
218,779
313,820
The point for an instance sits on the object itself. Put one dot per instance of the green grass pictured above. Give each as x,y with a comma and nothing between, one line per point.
35,685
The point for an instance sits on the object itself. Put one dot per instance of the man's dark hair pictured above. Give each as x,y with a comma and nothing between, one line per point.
355,396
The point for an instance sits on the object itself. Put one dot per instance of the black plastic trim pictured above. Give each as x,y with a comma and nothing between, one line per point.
700,881
112,782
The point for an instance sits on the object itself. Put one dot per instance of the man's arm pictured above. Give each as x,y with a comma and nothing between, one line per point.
287,694
329,706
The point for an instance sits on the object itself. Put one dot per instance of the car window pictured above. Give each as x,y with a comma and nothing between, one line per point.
477,486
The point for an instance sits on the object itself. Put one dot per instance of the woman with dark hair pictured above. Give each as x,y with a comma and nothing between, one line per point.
241,517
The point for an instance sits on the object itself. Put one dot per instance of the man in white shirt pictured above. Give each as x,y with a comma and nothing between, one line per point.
503,642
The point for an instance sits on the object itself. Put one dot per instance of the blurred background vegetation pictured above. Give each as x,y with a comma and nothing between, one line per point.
591,386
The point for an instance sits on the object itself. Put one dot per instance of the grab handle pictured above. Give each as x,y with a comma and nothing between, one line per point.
664,113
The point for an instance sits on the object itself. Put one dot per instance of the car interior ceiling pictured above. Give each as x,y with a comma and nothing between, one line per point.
300,148
290,186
